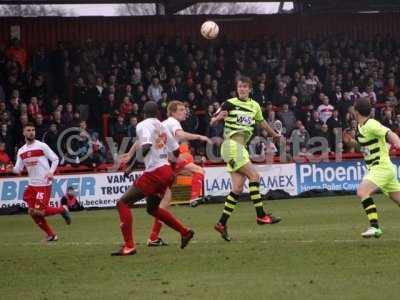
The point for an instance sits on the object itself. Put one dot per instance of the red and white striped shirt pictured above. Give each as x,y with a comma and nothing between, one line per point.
325,112
33,110
35,158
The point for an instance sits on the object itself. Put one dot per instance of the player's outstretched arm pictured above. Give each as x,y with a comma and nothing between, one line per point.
221,113
183,135
124,158
130,167
129,158
393,139
131,161
19,166
219,116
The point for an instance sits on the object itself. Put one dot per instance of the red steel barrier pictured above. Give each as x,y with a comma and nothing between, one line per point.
49,30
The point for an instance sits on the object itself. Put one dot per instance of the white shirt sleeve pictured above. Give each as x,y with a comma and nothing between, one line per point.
19,165
50,155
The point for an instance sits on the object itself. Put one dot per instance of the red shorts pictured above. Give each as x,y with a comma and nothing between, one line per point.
155,182
37,196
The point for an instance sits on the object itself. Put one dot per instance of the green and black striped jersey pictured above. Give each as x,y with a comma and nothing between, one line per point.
242,117
372,139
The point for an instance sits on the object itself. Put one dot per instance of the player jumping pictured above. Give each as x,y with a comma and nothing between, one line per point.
372,137
35,156
240,116
177,113
155,144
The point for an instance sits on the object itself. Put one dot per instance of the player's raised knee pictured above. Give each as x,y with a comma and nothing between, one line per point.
200,170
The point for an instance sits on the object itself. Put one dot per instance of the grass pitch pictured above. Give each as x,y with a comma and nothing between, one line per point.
316,252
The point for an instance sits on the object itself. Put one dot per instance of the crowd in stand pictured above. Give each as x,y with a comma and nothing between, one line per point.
306,88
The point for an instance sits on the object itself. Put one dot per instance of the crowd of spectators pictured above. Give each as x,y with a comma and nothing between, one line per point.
306,88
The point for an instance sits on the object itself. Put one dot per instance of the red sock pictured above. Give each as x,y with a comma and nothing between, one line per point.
42,223
155,230
51,211
169,219
197,185
125,217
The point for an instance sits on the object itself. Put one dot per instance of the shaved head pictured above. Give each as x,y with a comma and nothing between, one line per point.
150,109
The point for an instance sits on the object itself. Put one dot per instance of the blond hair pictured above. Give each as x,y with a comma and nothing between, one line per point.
173,106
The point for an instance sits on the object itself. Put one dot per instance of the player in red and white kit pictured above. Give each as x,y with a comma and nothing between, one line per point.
155,143
177,113
35,156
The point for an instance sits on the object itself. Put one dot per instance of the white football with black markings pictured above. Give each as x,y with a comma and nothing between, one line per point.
209,30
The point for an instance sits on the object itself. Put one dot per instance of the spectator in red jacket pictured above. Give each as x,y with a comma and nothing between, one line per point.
34,108
4,158
70,200
391,87
17,53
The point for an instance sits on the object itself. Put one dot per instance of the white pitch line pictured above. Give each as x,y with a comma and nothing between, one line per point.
76,243
365,240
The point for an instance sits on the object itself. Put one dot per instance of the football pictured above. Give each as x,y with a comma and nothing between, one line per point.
209,30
